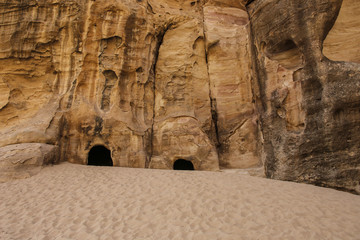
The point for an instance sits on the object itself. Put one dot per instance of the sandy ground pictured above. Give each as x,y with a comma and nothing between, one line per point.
86,202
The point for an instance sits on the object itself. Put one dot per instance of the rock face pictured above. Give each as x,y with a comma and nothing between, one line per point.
220,83
228,50
342,42
24,160
310,105
145,79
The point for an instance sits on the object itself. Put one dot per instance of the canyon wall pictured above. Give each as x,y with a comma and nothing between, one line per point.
220,83
152,81
309,104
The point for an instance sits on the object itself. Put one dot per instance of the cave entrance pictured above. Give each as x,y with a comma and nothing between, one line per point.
182,164
100,156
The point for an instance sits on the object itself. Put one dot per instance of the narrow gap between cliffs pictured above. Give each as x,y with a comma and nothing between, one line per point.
214,114
159,41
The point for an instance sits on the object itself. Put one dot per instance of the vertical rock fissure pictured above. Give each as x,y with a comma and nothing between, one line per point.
258,92
124,77
71,94
159,41
248,2
214,115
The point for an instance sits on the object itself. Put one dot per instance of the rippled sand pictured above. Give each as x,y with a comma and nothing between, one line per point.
70,201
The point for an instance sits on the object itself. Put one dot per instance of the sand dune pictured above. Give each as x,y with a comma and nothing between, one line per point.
85,202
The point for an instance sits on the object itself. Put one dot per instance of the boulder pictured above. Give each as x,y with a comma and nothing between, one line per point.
26,159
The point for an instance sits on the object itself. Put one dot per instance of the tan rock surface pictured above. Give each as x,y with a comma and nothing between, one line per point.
83,73
342,42
4,94
182,116
229,62
228,3
26,159
181,138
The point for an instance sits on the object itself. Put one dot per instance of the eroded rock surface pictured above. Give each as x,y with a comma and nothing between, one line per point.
137,77
220,83
309,105
342,42
228,48
26,159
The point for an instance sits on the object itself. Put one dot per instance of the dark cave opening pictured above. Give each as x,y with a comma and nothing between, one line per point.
182,164
100,156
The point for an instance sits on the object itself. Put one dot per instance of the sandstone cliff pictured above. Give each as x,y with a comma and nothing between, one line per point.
309,104
221,83
153,81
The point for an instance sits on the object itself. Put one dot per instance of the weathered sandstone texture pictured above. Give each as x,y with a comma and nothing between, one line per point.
220,83
310,105
228,50
152,81
25,159
342,42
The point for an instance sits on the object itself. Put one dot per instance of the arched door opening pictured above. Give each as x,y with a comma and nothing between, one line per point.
100,156
182,164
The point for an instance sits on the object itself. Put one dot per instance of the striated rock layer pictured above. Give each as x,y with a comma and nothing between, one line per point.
220,83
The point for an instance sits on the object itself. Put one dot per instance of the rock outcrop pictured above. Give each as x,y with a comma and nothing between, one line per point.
228,47
309,104
26,159
220,83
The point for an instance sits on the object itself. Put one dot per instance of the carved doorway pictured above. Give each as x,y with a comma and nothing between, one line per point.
182,164
100,156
